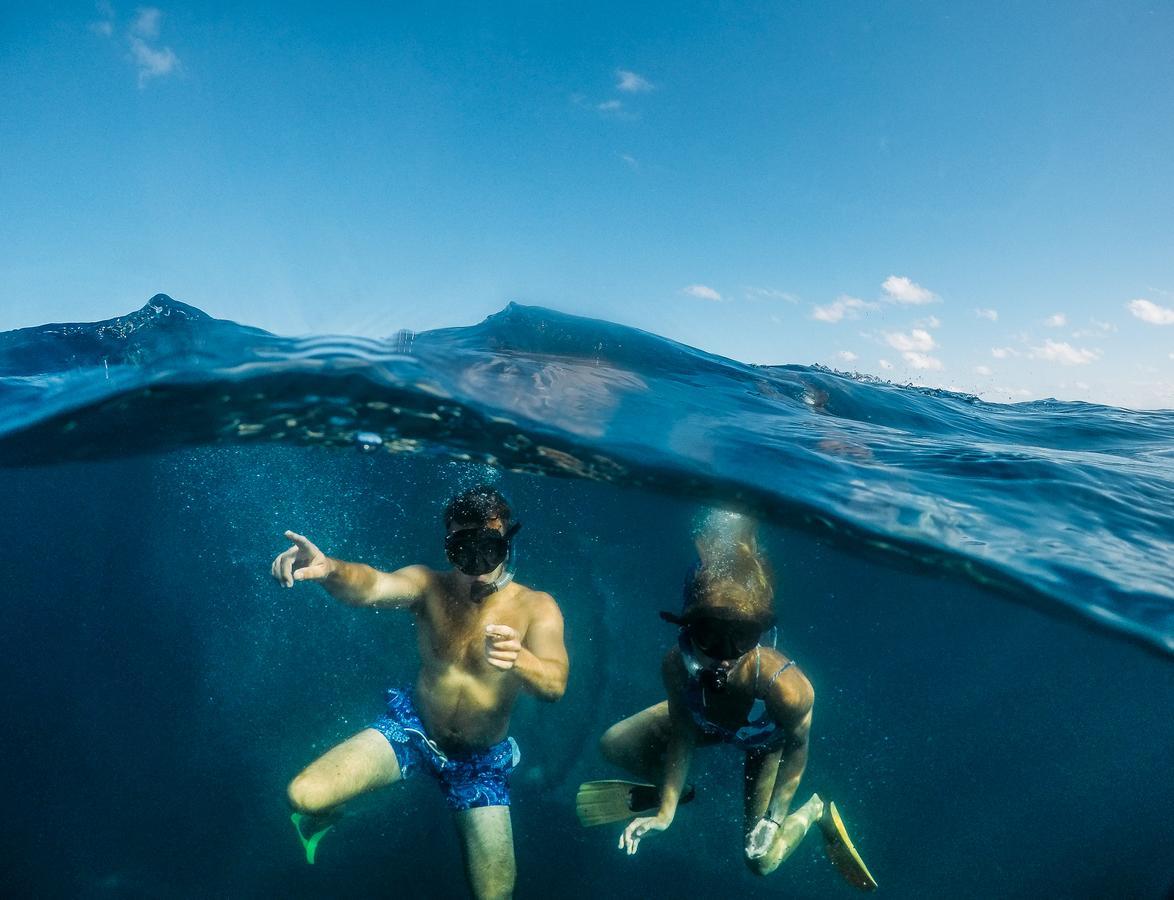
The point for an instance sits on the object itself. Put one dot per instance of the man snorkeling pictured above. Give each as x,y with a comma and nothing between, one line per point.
726,684
482,639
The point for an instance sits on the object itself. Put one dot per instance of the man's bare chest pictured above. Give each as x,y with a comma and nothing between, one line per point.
453,631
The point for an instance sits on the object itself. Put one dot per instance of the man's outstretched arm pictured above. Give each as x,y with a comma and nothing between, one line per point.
541,661
355,584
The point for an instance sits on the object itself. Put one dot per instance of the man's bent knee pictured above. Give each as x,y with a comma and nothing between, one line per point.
308,795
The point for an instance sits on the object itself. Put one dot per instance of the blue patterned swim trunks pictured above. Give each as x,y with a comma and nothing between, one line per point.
471,780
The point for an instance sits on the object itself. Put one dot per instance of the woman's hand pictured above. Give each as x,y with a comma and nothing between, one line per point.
639,828
760,839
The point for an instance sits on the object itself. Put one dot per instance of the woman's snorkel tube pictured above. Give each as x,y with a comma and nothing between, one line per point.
727,600
712,642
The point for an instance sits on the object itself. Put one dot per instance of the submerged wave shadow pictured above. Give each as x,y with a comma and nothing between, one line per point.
1063,505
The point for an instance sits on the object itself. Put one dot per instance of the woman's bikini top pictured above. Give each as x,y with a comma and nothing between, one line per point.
760,731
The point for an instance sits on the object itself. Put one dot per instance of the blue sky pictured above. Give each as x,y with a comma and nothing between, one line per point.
974,196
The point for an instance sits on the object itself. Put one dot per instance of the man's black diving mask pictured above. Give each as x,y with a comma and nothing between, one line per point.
479,550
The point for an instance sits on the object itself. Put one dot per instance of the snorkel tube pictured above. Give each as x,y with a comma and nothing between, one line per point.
711,674
481,589
713,671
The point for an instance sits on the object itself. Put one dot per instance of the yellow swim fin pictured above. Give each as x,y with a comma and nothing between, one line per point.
602,802
842,852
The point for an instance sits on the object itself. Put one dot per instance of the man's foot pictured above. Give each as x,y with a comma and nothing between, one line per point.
841,851
316,827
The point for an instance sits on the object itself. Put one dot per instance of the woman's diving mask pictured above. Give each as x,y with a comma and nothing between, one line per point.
712,643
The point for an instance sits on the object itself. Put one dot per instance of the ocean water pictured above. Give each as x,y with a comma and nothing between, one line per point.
981,595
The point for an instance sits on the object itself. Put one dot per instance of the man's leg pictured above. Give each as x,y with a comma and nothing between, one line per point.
487,844
760,774
638,742
359,764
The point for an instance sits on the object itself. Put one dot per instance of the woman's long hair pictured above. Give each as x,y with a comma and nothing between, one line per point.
733,575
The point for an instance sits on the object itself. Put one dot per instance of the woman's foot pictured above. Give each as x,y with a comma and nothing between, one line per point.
792,830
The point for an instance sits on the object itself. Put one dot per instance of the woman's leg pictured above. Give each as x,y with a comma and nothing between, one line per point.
760,775
637,743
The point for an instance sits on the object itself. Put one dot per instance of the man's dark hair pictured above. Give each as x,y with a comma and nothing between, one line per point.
479,505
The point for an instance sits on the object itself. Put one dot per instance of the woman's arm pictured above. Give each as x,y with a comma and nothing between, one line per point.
789,702
791,768
678,756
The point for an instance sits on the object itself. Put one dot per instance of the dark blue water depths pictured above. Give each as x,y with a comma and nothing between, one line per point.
161,689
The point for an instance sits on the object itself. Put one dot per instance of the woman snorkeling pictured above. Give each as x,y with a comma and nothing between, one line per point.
726,684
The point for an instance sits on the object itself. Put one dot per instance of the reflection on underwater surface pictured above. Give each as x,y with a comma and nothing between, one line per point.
1065,505
163,690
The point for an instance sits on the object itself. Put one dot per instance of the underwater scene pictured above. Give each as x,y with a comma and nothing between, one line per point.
971,606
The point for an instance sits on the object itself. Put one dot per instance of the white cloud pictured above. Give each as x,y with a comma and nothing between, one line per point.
841,308
631,83
847,356
1064,354
146,23
150,60
989,314
885,364
904,290
1058,320
982,370
702,292
918,340
761,293
1003,352
1098,329
929,322
104,28
152,63
630,160
922,360
1013,392
1148,311
612,109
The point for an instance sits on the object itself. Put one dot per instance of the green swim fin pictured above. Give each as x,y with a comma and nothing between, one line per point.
601,802
309,844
